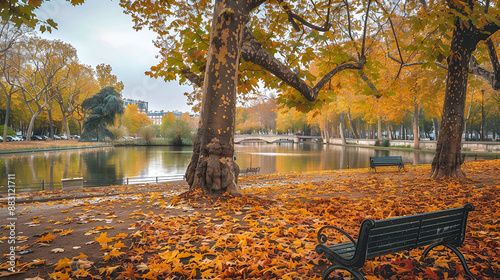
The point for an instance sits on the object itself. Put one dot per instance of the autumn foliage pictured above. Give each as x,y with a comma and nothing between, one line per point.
270,233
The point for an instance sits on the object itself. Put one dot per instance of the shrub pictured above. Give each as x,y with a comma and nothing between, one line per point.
118,131
147,133
9,131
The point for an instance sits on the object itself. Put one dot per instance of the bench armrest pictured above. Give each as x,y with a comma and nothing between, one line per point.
322,238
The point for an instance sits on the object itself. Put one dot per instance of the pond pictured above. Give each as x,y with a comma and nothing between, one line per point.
122,165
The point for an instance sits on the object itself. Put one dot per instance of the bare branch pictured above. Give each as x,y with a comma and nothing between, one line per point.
364,28
426,8
292,17
414,63
494,61
348,19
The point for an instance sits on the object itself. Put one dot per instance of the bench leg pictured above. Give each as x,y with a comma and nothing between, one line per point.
459,255
357,275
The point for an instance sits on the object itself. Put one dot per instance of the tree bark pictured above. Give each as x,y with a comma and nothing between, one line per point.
483,136
65,120
379,128
416,134
447,159
212,166
6,123
32,123
341,127
351,125
436,128
389,130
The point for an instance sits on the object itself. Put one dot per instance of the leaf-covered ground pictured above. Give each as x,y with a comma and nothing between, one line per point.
268,234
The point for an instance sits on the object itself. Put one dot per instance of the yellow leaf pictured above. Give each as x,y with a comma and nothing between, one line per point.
119,245
46,238
62,263
103,239
66,232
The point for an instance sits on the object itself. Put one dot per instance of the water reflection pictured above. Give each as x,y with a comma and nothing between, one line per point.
285,157
110,166
98,166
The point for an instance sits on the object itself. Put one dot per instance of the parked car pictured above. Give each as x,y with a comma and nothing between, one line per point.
56,137
37,138
1,139
75,137
64,137
11,138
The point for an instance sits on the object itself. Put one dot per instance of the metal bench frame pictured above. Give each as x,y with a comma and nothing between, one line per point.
383,237
387,161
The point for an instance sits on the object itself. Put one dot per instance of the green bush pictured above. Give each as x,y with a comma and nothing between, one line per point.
179,133
382,143
9,131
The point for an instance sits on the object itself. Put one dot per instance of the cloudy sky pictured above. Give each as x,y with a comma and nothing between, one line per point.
101,33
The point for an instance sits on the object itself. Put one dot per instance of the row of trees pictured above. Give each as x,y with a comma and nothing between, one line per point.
306,45
417,37
390,117
43,84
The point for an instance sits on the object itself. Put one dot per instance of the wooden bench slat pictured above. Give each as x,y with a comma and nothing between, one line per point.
390,250
346,250
418,217
377,238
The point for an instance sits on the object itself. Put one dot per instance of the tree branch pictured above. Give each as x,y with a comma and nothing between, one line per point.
414,63
494,61
292,17
193,77
252,51
475,69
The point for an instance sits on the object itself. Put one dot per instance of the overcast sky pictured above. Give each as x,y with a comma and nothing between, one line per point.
102,33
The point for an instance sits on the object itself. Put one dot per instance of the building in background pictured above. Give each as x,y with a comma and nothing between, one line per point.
156,116
141,105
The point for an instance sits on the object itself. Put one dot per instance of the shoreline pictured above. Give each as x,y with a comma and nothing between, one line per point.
87,145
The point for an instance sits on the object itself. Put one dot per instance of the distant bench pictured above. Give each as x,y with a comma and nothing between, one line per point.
250,170
387,161
383,237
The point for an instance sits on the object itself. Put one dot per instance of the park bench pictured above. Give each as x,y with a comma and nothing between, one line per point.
387,161
250,170
383,237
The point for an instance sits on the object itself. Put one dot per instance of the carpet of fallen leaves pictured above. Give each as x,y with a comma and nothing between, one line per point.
270,233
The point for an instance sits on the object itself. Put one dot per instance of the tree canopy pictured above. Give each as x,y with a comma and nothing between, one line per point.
103,107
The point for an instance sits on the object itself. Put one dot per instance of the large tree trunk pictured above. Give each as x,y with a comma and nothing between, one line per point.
447,159
212,166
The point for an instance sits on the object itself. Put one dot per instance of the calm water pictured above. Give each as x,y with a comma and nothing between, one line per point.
113,166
